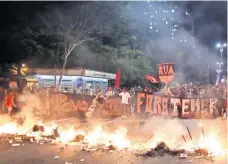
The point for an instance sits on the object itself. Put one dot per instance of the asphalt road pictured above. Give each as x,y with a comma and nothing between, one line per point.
33,153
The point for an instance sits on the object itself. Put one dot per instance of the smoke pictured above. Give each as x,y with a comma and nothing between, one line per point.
171,131
26,114
83,57
192,61
177,35
32,103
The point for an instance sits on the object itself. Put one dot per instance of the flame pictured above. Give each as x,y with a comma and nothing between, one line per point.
211,143
12,128
99,137
118,139
9,128
67,135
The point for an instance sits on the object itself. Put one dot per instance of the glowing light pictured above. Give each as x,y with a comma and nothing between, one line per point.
161,13
67,135
218,45
200,124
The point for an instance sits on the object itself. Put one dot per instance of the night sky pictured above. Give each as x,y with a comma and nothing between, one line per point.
204,14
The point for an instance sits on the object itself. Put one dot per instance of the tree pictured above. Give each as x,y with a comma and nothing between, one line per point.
69,27
94,35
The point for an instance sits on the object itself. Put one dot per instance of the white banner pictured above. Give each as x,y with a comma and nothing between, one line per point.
100,74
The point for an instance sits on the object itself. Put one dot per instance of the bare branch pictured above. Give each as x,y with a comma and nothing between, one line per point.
73,46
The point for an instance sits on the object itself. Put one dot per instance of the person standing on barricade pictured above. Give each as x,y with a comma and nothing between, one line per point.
97,104
125,98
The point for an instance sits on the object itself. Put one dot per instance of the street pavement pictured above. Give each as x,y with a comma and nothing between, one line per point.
33,153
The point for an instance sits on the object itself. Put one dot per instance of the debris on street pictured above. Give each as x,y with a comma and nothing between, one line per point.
56,157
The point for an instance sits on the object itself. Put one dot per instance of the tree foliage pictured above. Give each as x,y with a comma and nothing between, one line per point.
94,35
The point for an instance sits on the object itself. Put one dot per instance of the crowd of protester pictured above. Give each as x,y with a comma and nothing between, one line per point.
11,99
190,91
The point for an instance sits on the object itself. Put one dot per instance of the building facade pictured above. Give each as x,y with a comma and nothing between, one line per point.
73,80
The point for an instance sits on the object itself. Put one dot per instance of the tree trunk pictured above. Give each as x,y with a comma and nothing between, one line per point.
62,72
67,53
64,64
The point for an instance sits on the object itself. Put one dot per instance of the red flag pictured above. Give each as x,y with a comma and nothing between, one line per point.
152,78
117,83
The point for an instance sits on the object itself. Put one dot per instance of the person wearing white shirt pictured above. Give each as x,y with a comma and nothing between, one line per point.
125,97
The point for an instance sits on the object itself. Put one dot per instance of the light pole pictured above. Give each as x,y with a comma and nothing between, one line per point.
219,64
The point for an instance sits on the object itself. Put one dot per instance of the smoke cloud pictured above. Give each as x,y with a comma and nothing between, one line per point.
26,115
171,131
177,35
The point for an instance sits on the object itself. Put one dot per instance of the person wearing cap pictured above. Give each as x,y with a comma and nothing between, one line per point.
125,97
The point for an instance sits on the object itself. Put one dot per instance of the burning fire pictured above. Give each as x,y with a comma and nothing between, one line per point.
118,139
211,143
67,135
99,137
12,128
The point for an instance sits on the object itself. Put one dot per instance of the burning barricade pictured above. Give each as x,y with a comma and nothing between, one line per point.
98,138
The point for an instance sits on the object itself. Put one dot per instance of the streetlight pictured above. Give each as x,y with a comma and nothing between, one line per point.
23,65
219,64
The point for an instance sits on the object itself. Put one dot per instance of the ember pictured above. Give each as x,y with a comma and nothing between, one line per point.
79,138
161,149
201,152
38,128
94,139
